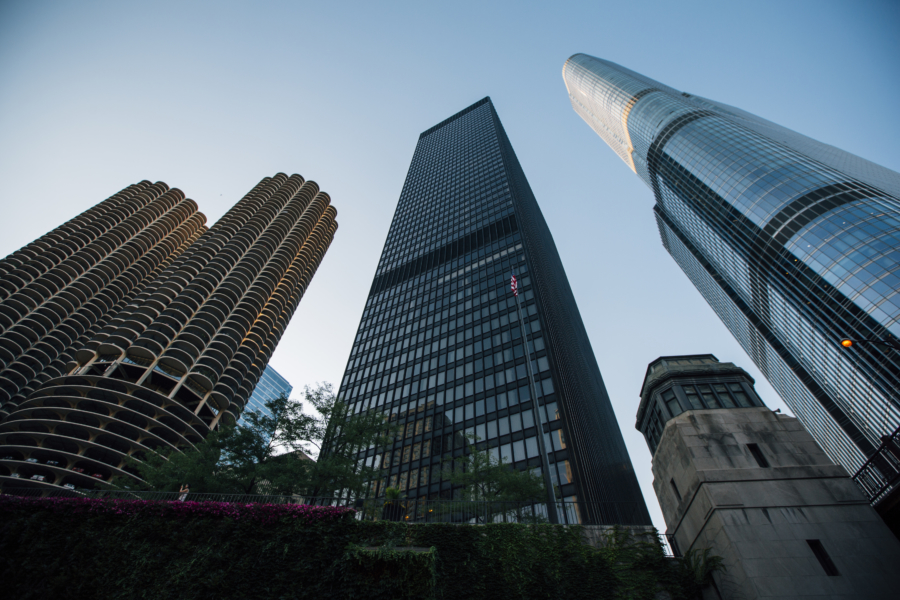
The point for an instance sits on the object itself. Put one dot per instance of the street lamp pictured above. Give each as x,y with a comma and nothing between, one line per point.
847,343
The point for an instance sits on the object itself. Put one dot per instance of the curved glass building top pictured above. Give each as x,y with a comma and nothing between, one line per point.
629,111
794,243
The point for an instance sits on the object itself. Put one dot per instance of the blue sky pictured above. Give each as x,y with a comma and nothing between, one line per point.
211,97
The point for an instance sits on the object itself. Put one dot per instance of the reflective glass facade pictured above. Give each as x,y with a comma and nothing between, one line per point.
439,346
795,244
270,386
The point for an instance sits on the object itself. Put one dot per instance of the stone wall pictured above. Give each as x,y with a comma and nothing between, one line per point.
715,494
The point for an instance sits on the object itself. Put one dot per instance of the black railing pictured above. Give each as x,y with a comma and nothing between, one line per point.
880,475
669,545
476,512
412,510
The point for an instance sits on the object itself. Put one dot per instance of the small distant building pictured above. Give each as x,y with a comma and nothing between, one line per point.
270,386
754,487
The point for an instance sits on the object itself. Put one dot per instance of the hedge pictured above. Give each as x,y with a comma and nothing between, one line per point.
65,548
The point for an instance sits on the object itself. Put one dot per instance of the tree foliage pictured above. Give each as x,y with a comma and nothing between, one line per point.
343,434
268,454
484,477
198,468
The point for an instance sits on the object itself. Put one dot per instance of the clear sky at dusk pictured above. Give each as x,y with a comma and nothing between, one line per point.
211,97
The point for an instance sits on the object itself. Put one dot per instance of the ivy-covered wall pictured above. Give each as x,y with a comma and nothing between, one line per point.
64,548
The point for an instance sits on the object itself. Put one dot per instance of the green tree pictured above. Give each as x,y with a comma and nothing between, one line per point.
491,485
262,454
344,433
268,454
168,471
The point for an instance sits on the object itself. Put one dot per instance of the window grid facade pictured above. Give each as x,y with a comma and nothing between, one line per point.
795,244
270,386
439,347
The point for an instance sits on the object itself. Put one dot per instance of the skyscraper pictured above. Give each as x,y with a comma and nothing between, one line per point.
795,244
269,387
148,330
439,345
60,289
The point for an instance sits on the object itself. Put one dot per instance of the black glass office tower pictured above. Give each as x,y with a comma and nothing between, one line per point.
439,346
795,244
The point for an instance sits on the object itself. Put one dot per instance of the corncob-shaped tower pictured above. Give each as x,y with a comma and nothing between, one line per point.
133,327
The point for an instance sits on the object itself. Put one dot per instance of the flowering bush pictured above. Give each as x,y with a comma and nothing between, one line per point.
257,513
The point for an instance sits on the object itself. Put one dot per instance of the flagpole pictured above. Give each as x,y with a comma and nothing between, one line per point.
542,447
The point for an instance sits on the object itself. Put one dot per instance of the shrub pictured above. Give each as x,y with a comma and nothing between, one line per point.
64,548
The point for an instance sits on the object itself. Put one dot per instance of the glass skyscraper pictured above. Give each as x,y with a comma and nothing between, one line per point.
795,244
269,387
439,346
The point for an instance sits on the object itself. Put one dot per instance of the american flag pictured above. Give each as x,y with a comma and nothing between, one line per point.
514,285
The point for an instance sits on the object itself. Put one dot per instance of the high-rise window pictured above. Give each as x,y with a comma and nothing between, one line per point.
439,348
270,386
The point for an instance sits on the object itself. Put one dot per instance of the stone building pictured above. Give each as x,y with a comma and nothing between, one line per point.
753,486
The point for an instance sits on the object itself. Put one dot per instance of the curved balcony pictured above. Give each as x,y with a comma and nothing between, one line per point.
205,322
210,365
228,339
95,423
218,401
224,303
61,460
203,377
147,348
146,311
195,336
184,351
92,458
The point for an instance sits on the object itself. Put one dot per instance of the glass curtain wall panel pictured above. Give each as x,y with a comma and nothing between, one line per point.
270,386
178,346
795,244
439,347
